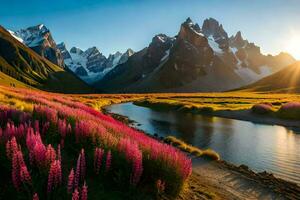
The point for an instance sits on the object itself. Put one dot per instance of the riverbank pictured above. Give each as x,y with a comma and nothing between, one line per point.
244,114
248,115
221,180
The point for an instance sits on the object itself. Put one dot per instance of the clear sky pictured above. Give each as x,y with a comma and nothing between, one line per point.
117,25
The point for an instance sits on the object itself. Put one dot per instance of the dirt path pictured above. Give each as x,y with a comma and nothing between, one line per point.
214,180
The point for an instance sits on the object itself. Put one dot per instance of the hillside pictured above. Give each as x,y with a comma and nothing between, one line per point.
286,80
197,59
23,64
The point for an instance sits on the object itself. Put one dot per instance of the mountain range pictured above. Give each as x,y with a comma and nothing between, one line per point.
21,65
197,59
91,65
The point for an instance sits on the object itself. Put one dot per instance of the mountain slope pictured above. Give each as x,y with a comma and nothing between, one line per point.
25,65
285,80
196,60
91,65
39,39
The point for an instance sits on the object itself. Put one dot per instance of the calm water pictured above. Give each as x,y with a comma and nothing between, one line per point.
275,149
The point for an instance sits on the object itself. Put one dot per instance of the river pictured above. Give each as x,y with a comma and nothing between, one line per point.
271,148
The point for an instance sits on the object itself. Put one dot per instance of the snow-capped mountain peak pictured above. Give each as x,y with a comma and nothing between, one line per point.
76,50
194,27
34,35
91,65
211,27
39,39
92,52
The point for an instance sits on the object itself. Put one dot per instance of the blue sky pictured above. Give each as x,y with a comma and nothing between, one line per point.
118,25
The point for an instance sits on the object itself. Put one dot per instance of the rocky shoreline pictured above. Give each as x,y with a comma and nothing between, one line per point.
283,188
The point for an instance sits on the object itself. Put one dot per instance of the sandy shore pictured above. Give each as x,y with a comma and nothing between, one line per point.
222,180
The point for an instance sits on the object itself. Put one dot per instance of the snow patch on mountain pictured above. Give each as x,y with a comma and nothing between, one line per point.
167,53
15,36
91,65
250,76
214,45
31,36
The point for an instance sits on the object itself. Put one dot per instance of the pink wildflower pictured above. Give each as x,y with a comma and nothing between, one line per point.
24,175
108,161
17,164
71,181
50,154
98,155
58,153
35,196
160,185
75,195
80,169
11,147
55,177
84,192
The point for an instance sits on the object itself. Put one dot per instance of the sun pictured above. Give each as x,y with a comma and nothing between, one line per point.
293,46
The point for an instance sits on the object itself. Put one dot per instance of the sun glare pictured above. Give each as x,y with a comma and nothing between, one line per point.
293,46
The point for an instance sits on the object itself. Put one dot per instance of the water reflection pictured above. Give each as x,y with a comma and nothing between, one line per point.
262,147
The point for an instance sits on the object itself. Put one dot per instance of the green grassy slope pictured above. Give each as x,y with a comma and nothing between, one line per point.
23,64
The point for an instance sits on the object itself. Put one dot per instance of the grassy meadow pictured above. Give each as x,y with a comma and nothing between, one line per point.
57,146
281,105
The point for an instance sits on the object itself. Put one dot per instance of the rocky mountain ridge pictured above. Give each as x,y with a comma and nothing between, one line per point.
39,39
197,59
91,65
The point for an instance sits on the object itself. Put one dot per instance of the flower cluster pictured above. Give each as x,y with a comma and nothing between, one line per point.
55,177
56,119
134,155
98,156
80,169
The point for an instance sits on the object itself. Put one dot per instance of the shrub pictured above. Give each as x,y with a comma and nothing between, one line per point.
290,110
211,154
207,110
262,108
191,149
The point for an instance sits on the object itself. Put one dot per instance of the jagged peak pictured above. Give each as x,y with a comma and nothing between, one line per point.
212,27
118,53
40,28
161,38
238,36
92,50
238,41
197,28
76,50
212,21
129,52
192,26
189,21
62,44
